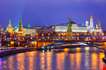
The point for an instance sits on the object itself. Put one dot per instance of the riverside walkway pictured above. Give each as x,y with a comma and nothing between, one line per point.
9,51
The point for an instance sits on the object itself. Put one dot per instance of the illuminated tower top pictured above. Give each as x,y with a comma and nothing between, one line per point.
10,28
10,23
91,26
20,25
20,28
91,22
87,23
69,27
28,26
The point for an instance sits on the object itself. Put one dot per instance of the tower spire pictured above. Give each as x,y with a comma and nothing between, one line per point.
20,28
91,24
10,28
91,21
10,23
69,29
28,25
20,25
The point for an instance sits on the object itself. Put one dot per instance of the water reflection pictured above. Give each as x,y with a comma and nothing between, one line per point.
104,67
54,61
31,60
20,61
78,60
42,61
100,56
10,60
60,61
1,64
49,62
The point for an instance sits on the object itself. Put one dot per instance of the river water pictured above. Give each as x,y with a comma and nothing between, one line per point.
37,60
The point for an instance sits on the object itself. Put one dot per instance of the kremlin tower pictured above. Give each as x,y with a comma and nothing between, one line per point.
20,28
10,28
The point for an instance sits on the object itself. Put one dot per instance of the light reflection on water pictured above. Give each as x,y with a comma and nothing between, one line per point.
53,61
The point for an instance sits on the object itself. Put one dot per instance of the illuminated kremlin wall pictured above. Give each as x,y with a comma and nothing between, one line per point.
74,27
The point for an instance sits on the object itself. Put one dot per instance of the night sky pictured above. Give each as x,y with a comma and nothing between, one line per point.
49,12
